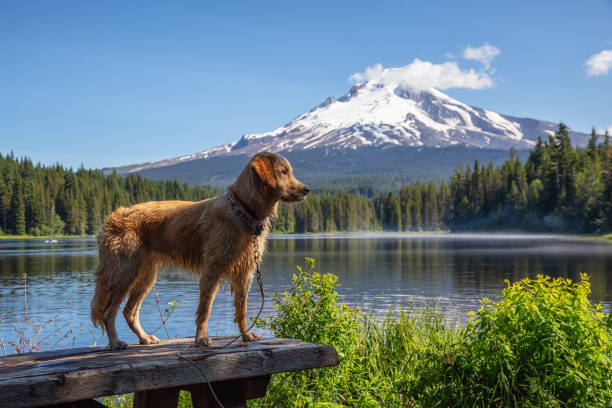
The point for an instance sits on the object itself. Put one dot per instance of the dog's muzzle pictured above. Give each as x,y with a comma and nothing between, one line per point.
297,194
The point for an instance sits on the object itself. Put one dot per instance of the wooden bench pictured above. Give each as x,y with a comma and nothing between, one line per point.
155,373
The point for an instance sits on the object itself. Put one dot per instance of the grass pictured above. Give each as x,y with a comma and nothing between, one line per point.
127,400
607,237
541,343
604,238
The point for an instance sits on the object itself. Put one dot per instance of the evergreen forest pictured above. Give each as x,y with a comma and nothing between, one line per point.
557,188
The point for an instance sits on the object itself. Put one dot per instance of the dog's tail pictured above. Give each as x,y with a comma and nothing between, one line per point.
101,295
99,303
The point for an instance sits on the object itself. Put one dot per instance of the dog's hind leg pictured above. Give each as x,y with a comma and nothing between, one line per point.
147,272
117,290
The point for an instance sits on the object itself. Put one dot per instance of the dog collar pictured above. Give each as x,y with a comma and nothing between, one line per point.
255,226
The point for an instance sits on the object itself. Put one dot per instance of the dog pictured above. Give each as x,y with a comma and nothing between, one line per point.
213,238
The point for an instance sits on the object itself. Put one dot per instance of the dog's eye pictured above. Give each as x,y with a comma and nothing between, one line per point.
285,171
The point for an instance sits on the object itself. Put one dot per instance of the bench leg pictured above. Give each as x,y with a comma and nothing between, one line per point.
232,393
162,398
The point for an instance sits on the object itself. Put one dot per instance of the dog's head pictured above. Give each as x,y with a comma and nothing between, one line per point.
275,172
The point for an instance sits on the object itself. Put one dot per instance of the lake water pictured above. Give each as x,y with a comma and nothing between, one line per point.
376,271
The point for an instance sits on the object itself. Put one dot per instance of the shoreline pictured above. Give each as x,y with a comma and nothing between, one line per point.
373,234
44,236
598,238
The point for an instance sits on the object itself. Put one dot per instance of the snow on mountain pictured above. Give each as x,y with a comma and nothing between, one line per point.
376,115
215,151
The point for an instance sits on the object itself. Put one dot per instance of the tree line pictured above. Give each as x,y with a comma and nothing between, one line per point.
41,201
557,188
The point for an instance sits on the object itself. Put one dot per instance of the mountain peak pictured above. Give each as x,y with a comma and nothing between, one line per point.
382,115
376,114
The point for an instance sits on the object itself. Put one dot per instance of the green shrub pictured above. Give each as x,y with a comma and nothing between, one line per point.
542,344
309,311
379,360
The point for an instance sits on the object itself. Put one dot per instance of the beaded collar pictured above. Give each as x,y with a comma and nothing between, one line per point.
254,225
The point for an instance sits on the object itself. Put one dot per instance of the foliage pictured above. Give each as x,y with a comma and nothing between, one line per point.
406,346
309,311
542,344
42,201
127,400
558,188
166,314
379,360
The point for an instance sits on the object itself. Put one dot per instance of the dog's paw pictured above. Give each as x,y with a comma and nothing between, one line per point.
118,345
149,339
250,336
203,341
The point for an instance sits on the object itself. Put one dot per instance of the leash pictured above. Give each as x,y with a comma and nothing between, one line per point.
210,350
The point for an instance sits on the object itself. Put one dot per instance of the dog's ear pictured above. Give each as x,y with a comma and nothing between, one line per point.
264,168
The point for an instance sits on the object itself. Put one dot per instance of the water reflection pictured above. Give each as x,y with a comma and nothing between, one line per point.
376,271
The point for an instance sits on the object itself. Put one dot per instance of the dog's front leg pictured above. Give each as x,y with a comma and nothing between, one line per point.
209,285
241,291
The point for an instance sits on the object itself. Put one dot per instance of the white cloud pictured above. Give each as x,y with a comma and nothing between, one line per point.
599,64
609,129
449,55
422,75
484,54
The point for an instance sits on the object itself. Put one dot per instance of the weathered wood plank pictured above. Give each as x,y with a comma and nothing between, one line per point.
29,364
88,352
30,380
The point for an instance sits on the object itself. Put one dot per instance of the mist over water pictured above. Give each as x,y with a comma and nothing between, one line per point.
376,271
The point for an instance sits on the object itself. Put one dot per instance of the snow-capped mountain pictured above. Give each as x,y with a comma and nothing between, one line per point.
375,118
375,115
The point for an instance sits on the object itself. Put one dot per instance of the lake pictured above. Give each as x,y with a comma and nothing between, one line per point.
376,271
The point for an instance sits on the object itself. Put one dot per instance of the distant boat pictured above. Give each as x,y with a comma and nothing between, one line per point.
51,241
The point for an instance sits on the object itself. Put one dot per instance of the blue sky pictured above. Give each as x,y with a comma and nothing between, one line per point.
111,83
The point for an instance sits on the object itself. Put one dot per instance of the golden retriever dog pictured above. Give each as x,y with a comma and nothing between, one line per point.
214,239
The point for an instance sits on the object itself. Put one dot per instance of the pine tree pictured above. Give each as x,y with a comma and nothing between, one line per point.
19,210
93,214
592,144
392,220
566,163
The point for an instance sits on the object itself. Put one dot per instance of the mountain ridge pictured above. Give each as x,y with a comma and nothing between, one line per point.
379,117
